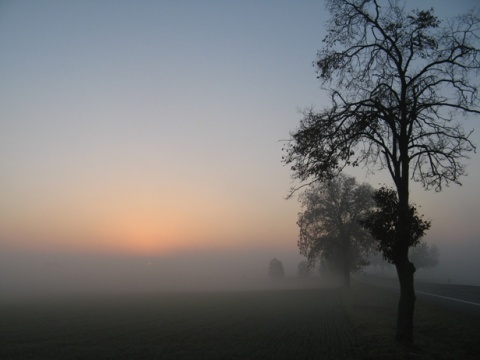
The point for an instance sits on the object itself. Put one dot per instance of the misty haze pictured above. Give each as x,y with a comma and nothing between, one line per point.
26,275
239,179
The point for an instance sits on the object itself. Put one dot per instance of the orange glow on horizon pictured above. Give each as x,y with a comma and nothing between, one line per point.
136,222
139,238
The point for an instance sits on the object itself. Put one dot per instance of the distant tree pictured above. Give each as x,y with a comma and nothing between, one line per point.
329,224
304,269
329,270
424,256
322,267
377,260
399,82
275,269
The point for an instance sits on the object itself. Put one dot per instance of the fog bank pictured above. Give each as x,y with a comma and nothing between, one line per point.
28,274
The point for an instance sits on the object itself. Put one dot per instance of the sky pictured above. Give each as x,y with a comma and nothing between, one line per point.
152,128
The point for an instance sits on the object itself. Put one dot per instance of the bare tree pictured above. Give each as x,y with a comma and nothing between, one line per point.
330,228
398,82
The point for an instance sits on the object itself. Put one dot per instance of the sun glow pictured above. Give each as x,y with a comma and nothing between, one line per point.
140,235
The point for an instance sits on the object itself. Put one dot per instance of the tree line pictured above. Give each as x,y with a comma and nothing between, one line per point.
338,221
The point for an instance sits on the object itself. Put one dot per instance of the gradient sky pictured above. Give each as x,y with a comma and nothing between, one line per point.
149,127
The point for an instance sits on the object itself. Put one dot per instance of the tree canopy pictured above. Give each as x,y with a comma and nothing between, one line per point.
398,84
329,224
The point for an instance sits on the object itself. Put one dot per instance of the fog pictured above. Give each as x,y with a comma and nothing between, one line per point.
28,275
458,265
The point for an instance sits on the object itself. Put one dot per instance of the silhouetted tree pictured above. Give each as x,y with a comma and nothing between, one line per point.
424,256
398,84
329,224
384,224
275,269
303,269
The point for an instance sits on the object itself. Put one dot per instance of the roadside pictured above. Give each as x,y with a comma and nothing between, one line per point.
461,298
440,333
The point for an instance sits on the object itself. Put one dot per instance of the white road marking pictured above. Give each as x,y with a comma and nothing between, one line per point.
424,293
448,298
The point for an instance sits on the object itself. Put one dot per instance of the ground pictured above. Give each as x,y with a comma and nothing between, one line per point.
296,323
281,324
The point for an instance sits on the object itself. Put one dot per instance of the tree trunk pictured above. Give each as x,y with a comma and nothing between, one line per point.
346,262
346,277
405,268
406,305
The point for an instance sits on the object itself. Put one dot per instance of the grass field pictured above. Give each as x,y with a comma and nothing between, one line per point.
326,323
286,324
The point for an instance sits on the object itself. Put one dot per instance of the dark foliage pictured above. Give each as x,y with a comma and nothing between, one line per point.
383,224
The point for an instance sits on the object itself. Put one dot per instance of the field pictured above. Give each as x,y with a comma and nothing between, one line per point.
286,324
321,323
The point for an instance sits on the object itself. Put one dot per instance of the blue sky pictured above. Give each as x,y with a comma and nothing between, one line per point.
155,126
